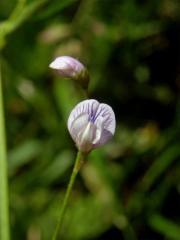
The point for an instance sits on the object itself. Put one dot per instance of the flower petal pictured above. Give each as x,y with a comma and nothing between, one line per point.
67,66
91,124
78,124
87,106
83,132
105,137
85,137
99,126
102,134
109,122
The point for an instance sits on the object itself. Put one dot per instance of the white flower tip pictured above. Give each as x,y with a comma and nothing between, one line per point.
58,64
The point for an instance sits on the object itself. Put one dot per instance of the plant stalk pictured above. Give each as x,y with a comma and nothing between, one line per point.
78,162
4,200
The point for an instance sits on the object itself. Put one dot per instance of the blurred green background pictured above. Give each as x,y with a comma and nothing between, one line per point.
128,189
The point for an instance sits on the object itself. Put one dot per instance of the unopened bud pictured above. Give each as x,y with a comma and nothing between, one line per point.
71,68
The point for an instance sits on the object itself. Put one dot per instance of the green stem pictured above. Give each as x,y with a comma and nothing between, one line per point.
20,14
4,201
76,168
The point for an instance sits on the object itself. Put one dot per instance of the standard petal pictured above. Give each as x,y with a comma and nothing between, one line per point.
99,128
105,137
102,134
106,113
87,106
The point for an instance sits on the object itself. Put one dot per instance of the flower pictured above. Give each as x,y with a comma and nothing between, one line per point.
71,68
91,124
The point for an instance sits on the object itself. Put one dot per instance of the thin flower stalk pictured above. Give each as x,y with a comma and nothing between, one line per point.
78,162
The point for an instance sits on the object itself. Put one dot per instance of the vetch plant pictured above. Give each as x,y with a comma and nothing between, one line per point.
91,124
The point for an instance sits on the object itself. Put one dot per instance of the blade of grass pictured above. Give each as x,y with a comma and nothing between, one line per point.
4,201
165,226
159,166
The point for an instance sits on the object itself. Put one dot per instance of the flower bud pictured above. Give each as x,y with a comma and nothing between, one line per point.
91,124
71,68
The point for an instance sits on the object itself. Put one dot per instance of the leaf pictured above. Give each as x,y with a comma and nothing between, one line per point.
60,164
23,154
165,226
54,8
87,217
160,165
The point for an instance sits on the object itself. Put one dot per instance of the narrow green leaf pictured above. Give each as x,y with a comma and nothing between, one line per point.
23,154
165,226
160,165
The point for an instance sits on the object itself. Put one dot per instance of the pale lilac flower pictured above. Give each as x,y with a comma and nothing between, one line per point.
71,68
91,124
